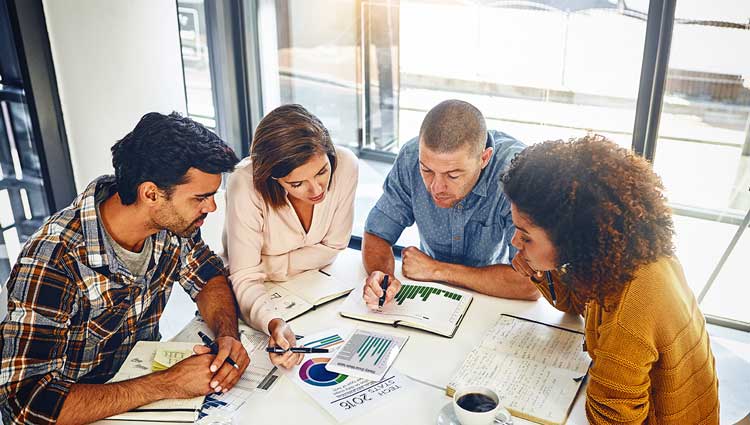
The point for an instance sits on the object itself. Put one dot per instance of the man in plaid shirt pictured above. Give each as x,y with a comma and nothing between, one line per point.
95,278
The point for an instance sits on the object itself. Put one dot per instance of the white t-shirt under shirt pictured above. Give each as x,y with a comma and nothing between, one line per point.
262,243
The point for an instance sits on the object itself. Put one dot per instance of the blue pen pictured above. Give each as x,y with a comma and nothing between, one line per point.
384,287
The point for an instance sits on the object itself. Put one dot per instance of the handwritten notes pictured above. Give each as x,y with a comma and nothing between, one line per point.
535,368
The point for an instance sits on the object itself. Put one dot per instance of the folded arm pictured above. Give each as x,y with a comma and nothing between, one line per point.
498,280
619,381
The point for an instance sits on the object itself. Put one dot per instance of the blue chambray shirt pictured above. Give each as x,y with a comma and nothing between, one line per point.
475,232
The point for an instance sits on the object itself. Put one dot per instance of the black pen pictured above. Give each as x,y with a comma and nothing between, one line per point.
305,350
208,342
384,287
551,286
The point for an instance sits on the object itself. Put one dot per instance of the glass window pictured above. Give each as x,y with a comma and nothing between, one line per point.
311,58
370,70
195,60
703,149
23,202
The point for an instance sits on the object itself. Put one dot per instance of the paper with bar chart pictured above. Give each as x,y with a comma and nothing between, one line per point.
343,396
430,306
367,354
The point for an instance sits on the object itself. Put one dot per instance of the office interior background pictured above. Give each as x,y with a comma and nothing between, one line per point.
668,78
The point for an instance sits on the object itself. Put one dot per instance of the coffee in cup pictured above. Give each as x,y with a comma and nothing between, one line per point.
476,405
476,402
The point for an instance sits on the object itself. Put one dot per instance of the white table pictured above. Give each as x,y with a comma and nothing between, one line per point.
427,358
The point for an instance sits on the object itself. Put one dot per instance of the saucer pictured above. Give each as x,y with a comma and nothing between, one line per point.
446,416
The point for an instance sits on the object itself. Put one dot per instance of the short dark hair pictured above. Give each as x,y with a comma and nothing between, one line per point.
285,139
161,149
602,207
453,124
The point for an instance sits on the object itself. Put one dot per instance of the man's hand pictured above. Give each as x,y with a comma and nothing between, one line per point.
520,265
283,336
190,377
225,376
372,291
417,265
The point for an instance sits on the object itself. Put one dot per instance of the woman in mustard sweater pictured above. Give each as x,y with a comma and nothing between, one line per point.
594,233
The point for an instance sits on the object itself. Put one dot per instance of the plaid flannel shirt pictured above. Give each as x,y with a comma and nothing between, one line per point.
75,311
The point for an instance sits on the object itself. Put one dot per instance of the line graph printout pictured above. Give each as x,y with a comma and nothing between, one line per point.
367,354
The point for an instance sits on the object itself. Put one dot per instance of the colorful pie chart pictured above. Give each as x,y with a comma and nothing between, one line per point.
314,372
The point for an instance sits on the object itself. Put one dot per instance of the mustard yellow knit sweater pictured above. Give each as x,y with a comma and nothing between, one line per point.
652,361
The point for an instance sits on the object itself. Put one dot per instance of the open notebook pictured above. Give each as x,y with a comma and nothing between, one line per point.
429,306
304,292
536,368
139,362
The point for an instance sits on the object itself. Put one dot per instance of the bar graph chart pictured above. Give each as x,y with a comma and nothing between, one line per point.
367,354
326,342
373,347
411,292
431,306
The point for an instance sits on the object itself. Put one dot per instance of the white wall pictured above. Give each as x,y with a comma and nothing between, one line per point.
114,61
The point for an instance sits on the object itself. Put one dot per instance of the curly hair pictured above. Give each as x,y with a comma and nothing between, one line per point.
600,205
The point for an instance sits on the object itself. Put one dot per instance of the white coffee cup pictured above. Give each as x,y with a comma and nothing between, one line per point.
469,417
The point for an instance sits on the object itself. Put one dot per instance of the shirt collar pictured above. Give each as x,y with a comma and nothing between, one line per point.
96,192
480,188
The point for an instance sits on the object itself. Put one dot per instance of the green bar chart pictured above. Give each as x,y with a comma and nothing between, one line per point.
373,347
423,293
367,354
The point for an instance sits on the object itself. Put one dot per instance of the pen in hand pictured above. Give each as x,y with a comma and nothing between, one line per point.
208,342
305,350
384,287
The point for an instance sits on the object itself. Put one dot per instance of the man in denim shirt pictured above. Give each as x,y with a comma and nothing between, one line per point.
447,182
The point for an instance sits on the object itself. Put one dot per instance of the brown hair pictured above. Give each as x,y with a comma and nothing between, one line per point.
600,205
285,139
453,124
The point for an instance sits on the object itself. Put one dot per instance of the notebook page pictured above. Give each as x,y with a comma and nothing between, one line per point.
535,368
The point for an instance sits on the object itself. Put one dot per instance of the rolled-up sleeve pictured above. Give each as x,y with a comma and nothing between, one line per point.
34,343
506,219
393,212
199,264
